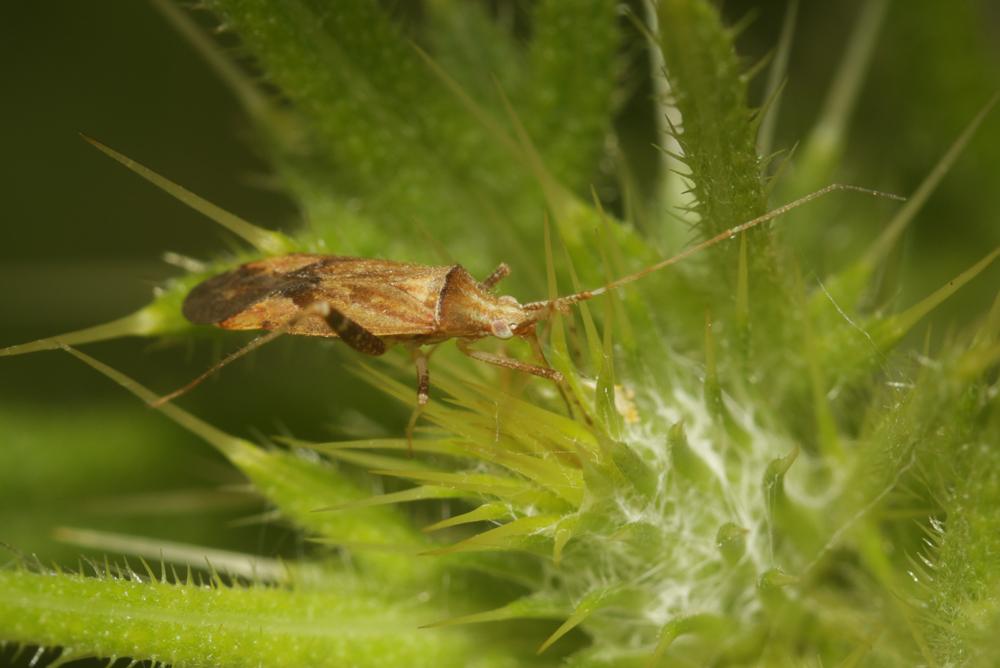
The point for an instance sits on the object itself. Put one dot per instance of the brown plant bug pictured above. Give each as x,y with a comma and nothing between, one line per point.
372,304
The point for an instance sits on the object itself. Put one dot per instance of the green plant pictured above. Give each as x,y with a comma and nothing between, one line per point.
743,467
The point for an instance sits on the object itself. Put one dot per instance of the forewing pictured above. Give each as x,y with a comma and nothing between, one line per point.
385,298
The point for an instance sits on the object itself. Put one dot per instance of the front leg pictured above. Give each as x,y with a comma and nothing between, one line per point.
500,273
509,362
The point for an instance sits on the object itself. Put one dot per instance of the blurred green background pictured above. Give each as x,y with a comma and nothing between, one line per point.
83,240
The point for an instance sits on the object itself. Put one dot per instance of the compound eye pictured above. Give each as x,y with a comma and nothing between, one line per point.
501,329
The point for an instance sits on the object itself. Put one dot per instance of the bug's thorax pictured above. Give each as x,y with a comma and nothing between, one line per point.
468,309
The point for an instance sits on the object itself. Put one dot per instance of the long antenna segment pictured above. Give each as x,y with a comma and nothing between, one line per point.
722,236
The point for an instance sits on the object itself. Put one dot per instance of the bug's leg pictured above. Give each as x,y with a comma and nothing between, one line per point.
350,332
353,335
536,346
423,391
423,377
500,273
509,362
250,347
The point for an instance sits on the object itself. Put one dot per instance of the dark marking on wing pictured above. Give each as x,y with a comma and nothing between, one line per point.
225,295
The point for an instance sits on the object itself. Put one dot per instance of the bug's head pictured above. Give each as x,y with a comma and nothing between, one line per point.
508,318
522,317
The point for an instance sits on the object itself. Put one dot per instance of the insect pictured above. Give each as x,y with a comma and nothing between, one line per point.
373,304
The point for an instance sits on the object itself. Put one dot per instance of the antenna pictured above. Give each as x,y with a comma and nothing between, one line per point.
568,300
